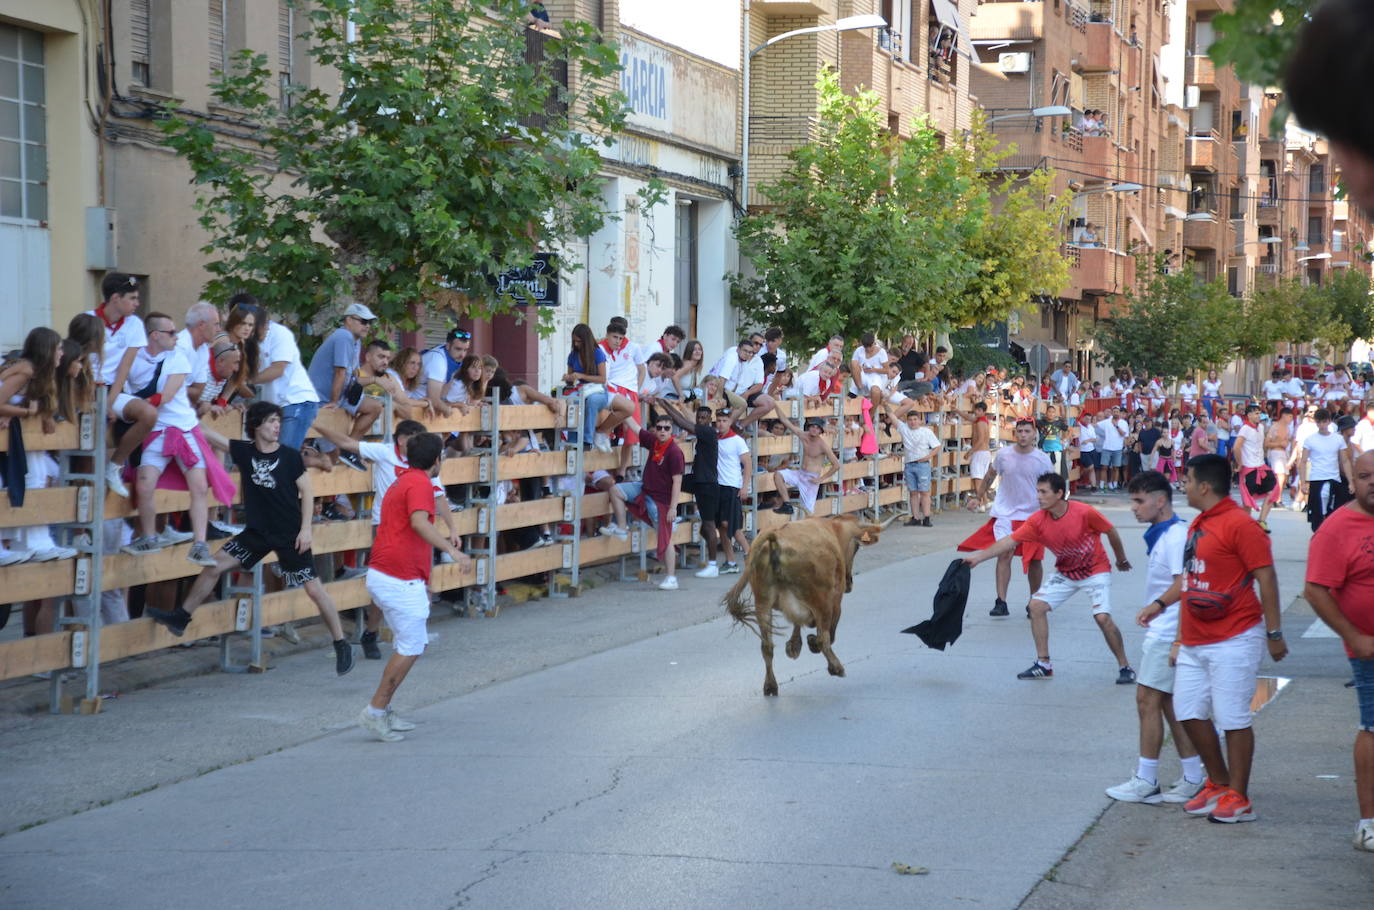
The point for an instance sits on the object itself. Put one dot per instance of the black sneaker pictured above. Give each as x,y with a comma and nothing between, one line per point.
343,657
912,523
1125,677
352,460
1036,670
175,620
785,509
212,532
369,642
925,522
999,608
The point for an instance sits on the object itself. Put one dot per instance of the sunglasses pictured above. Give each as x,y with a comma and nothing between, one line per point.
665,428
723,412
459,335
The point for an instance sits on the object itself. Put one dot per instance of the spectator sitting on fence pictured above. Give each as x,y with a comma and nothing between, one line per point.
277,503
202,325
241,328
820,383
285,382
819,461
124,336
587,373
408,364
176,436
834,346
226,360
781,386
742,372
28,388
688,375
333,370
466,390
441,363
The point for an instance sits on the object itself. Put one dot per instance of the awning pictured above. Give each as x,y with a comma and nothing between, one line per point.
1149,241
1057,351
1175,212
948,15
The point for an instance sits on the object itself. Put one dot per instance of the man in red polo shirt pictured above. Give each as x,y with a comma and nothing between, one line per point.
398,576
1222,636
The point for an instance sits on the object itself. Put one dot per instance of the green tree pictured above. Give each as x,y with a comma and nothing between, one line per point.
446,156
867,231
1172,324
1347,290
1268,317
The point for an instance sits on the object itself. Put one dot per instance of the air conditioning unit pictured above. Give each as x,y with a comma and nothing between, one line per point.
1013,63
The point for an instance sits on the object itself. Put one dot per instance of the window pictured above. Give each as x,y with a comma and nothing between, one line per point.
286,39
1316,180
1314,230
23,126
218,27
685,275
1233,281
140,42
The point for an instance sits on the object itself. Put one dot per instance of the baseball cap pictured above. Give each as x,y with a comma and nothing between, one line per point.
359,311
1345,423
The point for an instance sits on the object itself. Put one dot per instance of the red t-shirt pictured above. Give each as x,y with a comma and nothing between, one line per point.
1074,538
1341,557
1225,546
398,551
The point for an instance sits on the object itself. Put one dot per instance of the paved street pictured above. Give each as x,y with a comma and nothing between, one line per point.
616,752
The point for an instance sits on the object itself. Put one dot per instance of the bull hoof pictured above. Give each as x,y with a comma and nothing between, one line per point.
837,670
793,648
813,644
770,688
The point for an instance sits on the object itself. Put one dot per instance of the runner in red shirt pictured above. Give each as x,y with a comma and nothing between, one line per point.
1072,532
398,576
1340,588
1222,637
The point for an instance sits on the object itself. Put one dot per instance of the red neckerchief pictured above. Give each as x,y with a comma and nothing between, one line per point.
1253,426
607,348
664,345
661,449
404,464
982,419
728,433
111,326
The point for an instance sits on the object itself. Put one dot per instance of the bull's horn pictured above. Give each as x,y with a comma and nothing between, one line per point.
888,521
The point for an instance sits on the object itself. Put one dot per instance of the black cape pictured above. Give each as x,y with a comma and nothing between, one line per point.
946,624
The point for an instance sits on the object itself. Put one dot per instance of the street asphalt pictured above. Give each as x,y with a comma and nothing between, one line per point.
615,751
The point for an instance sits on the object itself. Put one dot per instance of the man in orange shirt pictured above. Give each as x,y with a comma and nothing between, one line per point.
1223,630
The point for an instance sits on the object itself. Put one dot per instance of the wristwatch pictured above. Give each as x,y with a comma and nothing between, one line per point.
1274,635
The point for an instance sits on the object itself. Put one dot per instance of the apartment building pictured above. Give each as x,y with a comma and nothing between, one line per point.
919,65
1116,152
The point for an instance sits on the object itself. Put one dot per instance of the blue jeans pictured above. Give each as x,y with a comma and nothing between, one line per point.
633,489
1364,690
592,404
295,422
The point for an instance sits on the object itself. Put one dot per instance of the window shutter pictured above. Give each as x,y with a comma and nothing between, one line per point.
140,39
286,36
217,61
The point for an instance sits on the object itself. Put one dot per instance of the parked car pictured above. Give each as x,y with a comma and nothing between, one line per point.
1360,367
1306,366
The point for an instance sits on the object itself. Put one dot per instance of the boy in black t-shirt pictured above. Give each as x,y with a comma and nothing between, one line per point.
278,504
702,482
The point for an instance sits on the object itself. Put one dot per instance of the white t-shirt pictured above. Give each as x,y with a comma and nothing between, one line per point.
130,334
1187,391
1273,390
874,366
1166,561
1087,437
1295,389
1323,455
387,465
141,371
1112,435
809,383
818,358
293,386
197,355
176,411
622,366
919,443
729,472
1249,442
739,375
1211,388
1017,473
1363,438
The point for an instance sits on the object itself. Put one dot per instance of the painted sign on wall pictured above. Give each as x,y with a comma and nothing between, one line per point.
646,78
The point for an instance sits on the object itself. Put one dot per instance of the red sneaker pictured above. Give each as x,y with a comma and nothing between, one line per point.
1206,799
1232,808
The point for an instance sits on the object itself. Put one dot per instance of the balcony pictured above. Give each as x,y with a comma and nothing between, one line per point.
1202,153
1097,159
1268,211
1098,270
1103,42
1202,72
1017,21
1203,235
772,8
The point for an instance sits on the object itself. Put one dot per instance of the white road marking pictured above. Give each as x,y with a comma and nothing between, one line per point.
1319,629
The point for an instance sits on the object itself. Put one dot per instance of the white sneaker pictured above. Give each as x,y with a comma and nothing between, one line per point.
711,571
668,584
395,722
1364,837
52,553
113,482
615,531
1136,790
227,528
376,725
1180,791
601,442
170,536
15,557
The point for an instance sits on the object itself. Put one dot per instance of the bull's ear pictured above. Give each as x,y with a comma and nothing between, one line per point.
869,534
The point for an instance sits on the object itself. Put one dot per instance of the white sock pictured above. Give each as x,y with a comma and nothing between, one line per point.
376,712
1192,769
1367,821
711,563
1045,662
1147,769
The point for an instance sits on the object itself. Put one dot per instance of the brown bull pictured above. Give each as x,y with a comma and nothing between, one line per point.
801,569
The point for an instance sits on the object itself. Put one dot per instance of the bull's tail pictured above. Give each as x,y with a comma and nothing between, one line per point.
737,601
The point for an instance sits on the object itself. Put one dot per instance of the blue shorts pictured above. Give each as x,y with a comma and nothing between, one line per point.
1110,458
1364,690
632,490
296,420
1090,459
918,476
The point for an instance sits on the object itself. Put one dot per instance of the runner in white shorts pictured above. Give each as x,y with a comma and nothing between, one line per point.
1165,536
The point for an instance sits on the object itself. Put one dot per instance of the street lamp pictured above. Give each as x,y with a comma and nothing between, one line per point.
847,24
1054,110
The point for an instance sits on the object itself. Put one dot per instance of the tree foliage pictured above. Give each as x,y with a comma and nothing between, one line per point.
446,156
1172,323
1258,37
